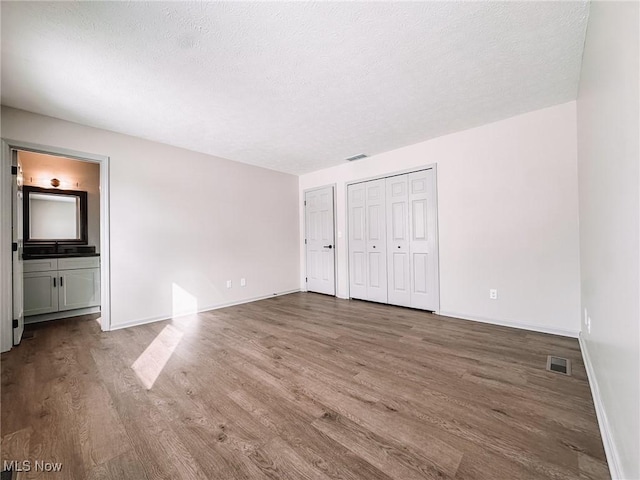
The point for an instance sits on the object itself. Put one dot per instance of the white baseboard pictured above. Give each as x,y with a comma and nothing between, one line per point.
45,317
605,430
144,321
522,326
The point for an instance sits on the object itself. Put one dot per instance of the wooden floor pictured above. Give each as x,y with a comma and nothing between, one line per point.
302,386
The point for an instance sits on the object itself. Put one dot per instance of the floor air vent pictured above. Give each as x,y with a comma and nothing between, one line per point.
559,365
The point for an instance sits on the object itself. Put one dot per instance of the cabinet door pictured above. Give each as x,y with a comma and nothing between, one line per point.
376,241
398,241
357,242
79,288
423,240
40,292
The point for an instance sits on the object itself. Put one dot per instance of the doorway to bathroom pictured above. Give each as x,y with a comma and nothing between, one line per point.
58,210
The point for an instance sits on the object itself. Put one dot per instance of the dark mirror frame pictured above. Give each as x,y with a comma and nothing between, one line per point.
82,195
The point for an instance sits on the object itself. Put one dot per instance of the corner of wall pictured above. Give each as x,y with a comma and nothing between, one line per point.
608,441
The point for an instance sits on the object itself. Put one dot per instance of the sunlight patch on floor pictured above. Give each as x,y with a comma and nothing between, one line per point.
152,361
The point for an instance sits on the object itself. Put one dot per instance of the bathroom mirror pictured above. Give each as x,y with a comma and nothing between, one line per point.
52,215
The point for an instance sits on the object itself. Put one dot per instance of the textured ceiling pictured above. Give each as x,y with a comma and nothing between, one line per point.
289,86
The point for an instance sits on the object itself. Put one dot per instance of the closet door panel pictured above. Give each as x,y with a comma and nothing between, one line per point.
398,283
420,273
398,280
423,243
375,270
419,220
357,241
359,271
376,241
374,217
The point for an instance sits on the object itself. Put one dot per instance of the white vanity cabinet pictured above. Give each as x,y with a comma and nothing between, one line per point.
61,284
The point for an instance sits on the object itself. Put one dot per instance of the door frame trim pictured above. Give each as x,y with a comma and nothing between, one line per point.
6,260
334,188
431,166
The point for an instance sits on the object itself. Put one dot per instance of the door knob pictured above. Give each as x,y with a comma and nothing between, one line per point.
374,246
327,246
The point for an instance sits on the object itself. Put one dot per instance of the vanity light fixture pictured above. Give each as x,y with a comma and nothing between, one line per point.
55,182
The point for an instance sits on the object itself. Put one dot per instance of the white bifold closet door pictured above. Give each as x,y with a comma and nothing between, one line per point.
399,278
423,240
357,242
393,244
376,241
367,241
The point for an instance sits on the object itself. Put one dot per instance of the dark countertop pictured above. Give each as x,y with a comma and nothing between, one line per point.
40,256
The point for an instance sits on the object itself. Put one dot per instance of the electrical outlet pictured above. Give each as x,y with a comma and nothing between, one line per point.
243,282
493,294
228,283
589,325
586,317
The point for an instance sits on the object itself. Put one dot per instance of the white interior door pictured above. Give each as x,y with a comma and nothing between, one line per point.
357,241
423,240
376,241
398,276
17,239
320,243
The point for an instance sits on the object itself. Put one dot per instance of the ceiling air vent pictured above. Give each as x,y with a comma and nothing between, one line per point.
356,157
559,365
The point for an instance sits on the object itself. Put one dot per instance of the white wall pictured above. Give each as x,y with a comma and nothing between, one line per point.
508,217
39,169
608,166
182,223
